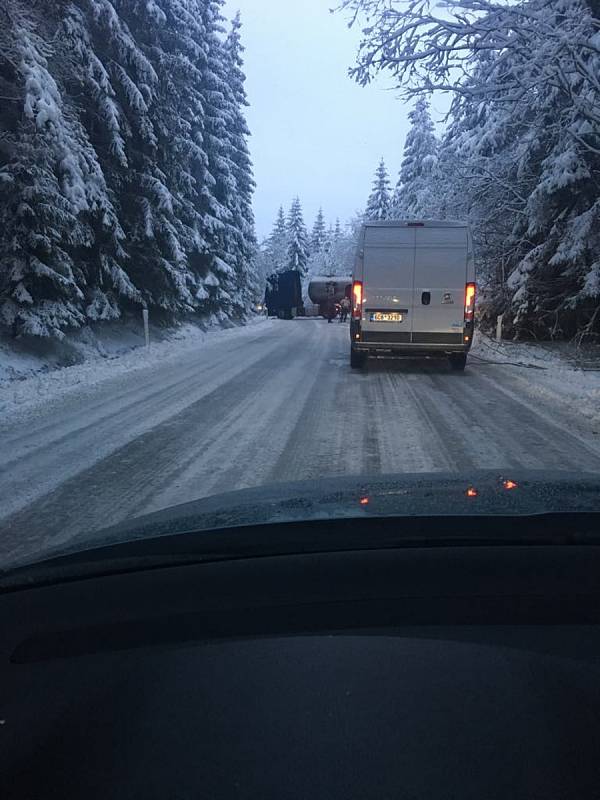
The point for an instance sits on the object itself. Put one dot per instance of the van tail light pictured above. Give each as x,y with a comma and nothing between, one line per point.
357,298
469,301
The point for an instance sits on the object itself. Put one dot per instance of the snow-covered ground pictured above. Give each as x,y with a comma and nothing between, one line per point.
548,371
554,374
93,444
29,381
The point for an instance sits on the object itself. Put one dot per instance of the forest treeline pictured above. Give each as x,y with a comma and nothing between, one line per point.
125,175
519,156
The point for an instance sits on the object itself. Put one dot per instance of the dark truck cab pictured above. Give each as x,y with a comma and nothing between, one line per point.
283,295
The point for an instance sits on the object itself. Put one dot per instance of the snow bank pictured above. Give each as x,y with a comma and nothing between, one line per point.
29,380
552,372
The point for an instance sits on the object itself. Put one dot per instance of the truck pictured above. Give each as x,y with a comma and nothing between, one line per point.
413,291
283,294
324,290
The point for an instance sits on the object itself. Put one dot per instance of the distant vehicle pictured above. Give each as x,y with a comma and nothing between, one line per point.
260,307
413,291
283,295
325,291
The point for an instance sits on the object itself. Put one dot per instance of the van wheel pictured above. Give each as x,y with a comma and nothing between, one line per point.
357,359
458,361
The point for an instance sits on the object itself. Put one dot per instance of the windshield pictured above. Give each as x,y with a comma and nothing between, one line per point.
250,244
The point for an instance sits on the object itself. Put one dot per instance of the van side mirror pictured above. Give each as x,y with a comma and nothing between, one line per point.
426,298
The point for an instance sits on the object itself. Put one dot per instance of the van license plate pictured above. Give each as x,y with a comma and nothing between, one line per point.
386,316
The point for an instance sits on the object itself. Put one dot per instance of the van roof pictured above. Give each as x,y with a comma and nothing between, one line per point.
426,223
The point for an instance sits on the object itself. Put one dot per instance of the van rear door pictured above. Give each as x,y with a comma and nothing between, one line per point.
439,284
389,258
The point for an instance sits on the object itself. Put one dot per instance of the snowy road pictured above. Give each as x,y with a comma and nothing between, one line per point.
278,403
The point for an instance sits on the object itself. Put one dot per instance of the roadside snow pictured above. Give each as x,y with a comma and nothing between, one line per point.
536,354
105,358
549,373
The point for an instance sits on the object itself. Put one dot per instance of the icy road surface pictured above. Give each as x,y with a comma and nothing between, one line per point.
275,402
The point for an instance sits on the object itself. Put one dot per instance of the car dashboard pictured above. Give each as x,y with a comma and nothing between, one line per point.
444,671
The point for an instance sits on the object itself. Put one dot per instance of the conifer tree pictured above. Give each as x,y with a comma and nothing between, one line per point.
378,204
318,233
413,195
297,250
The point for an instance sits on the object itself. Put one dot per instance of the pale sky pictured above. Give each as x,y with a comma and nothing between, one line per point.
315,132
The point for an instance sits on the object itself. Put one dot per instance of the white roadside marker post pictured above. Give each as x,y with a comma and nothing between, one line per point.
146,328
499,327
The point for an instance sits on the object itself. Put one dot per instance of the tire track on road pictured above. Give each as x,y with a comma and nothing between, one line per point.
259,435
64,456
284,406
116,485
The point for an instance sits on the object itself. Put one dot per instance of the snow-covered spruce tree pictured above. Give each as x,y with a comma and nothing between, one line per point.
243,216
343,246
317,236
276,245
297,250
555,285
414,194
202,123
94,80
51,183
263,267
532,69
321,262
122,163
533,200
481,176
336,256
170,208
219,199
320,258
379,202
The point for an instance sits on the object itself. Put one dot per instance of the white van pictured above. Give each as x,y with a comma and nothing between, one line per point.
413,291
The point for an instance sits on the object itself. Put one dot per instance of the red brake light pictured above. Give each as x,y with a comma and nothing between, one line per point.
357,299
469,301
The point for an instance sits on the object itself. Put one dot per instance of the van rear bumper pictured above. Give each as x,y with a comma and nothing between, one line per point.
408,343
409,349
